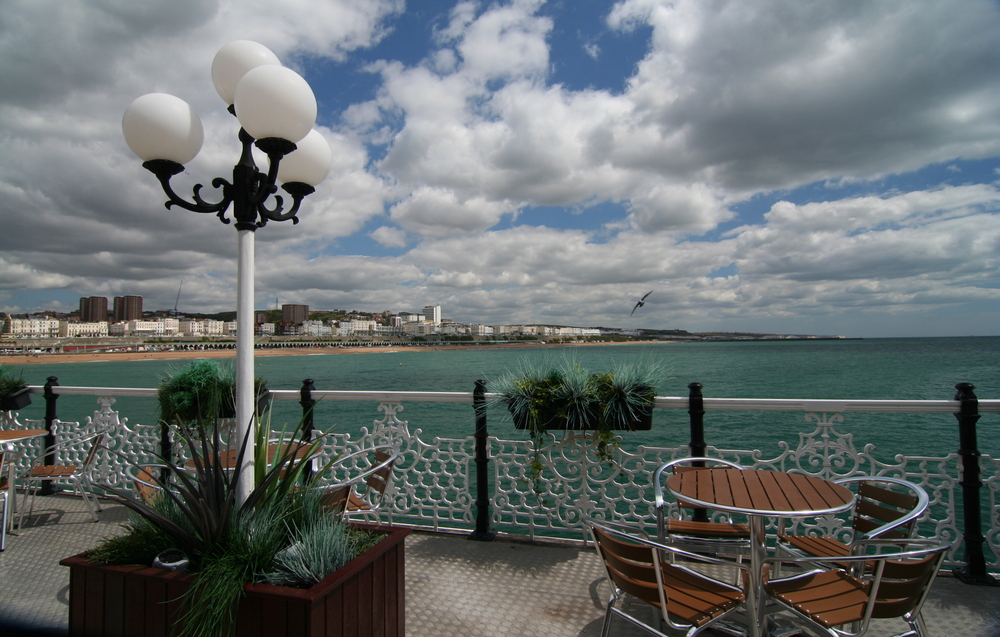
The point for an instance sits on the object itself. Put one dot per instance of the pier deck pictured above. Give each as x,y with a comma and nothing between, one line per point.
454,587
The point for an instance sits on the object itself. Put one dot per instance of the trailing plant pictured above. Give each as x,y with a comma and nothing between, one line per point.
9,383
566,396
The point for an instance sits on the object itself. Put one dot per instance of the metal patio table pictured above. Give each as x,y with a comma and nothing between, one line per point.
759,494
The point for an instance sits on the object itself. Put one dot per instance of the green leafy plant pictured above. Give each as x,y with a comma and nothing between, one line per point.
566,396
202,391
9,382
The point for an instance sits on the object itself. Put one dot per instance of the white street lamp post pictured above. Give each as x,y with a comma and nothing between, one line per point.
276,110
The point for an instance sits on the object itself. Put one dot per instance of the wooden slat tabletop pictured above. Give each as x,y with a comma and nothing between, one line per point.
761,492
228,456
8,435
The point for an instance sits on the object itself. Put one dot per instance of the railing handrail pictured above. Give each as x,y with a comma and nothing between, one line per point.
661,402
958,469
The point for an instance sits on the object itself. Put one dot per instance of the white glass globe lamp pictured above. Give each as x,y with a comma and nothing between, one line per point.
309,163
234,60
161,126
275,102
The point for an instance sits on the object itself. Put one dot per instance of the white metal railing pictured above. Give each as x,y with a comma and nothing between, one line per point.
434,480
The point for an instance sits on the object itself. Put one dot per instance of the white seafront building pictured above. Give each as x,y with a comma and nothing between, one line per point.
426,323
32,327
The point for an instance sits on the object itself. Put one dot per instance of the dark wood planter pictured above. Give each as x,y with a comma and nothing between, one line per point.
365,597
643,423
18,400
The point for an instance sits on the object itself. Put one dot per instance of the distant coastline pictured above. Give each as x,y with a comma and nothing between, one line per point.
83,357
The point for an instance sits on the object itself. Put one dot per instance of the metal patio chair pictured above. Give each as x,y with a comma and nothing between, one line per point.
79,474
841,604
879,513
686,600
361,494
145,480
728,535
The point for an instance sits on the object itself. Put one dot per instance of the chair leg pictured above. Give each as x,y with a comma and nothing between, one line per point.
607,616
5,496
917,626
24,505
86,498
90,490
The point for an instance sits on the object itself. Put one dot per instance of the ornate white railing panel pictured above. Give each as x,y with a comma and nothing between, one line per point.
433,479
430,486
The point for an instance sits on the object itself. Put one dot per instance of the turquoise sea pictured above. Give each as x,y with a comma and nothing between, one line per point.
904,368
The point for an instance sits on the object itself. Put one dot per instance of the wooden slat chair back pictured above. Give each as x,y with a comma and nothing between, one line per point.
732,535
146,484
374,473
686,599
377,482
904,584
334,499
878,507
879,512
843,604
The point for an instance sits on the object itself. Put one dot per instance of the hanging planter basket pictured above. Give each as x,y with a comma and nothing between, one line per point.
643,422
16,401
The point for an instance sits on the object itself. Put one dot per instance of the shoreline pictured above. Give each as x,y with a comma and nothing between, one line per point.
30,359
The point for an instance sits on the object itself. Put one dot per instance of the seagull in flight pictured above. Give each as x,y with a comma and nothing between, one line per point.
641,302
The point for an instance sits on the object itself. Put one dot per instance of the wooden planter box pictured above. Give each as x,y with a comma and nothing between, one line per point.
643,423
18,400
365,597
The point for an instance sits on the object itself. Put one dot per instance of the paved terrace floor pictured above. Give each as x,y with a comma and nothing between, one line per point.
454,587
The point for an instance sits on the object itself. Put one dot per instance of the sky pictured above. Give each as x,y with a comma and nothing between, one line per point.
779,166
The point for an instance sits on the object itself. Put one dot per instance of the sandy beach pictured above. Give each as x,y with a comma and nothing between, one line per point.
301,351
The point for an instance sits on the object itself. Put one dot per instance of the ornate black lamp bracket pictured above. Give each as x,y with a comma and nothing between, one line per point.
247,193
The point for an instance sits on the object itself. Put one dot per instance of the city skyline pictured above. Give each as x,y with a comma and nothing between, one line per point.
776,167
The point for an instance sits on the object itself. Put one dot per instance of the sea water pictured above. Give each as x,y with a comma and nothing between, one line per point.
882,369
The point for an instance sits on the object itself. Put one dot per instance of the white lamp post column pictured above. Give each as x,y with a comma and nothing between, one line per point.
245,395
276,109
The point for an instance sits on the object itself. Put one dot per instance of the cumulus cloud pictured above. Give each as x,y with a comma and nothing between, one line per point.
389,236
437,212
507,194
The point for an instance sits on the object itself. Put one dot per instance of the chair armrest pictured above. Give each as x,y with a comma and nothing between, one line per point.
929,546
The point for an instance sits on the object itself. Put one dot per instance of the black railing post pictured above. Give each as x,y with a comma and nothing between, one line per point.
696,409
697,446
975,562
166,451
308,404
483,531
51,415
